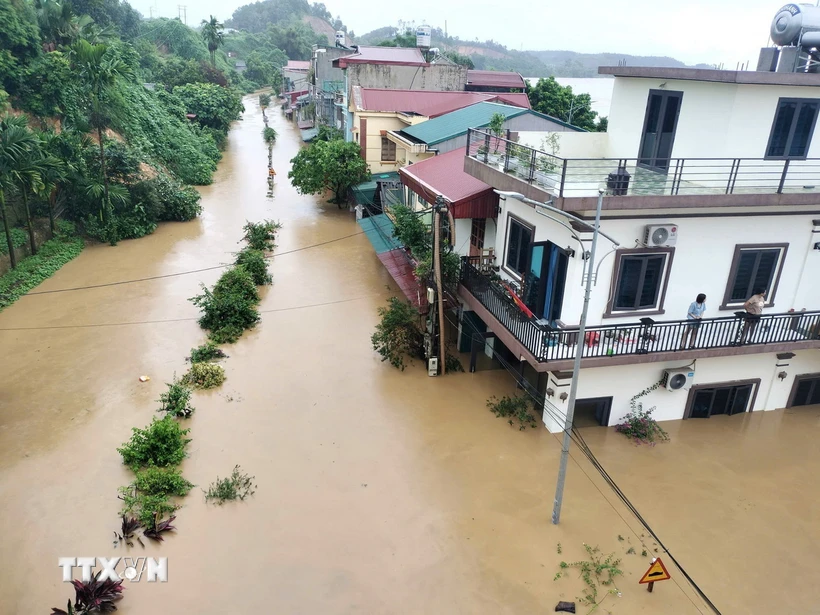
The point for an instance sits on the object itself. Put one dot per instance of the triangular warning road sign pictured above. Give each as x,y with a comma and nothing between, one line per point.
657,572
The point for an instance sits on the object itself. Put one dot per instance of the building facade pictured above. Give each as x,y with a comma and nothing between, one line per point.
711,181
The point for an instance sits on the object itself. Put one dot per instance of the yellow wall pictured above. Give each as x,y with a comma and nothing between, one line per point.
376,123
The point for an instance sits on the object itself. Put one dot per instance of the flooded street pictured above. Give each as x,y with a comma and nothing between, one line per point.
378,491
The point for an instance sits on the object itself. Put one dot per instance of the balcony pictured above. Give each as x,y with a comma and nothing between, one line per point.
549,349
791,182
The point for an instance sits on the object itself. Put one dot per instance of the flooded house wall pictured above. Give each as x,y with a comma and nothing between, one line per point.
623,382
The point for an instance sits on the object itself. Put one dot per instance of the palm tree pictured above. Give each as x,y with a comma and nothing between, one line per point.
99,68
212,34
29,180
16,144
56,169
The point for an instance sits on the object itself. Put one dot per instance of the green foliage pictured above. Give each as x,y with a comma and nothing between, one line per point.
594,571
176,401
450,267
256,264
264,100
204,376
149,495
453,363
397,336
513,409
558,101
269,135
48,88
456,57
328,133
638,423
258,16
207,352
165,199
18,238
214,107
496,124
33,270
231,307
328,165
261,235
19,40
211,32
410,230
237,486
262,71
160,444
174,37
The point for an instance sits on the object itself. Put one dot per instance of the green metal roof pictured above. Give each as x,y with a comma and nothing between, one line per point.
456,123
379,230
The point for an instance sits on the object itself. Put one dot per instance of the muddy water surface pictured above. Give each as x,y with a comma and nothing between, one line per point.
378,491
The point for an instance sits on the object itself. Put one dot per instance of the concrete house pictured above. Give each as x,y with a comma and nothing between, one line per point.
327,84
494,81
712,182
295,75
376,112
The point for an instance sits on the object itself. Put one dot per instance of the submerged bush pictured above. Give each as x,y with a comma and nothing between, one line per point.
230,307
176,401
237,486
148,497
256,264
160,444
397,335
517,408
641,427
261,235
207,352
204,376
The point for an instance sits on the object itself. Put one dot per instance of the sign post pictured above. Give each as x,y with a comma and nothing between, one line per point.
657,572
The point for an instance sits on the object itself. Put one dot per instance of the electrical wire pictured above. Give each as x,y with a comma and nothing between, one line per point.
578,439
179,273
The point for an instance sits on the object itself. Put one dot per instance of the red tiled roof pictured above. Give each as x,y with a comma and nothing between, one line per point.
494,79
430,103
297,65
444,175
294,95
408,56
401,270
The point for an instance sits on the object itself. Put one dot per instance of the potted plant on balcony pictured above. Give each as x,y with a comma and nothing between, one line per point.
546,166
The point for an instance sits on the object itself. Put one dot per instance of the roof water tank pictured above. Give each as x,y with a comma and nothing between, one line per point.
793,20
340,38
423,36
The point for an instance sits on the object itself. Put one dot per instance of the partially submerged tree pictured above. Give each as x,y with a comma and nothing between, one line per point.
333,166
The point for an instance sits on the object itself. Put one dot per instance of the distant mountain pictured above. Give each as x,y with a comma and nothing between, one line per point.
574,64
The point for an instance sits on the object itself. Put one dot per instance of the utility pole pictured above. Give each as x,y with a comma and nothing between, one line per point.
576,369
437,270
183,13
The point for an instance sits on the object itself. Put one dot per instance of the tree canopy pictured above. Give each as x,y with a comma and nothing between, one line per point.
328,165
556,100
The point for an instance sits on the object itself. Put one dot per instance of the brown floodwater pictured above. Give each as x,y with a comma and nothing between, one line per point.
378,491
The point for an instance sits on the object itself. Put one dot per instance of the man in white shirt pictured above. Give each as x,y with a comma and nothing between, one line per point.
754,308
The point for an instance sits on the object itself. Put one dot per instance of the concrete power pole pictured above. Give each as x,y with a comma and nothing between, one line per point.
439,291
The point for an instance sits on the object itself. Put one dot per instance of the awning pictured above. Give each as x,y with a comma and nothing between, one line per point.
304,124
379,230
309,134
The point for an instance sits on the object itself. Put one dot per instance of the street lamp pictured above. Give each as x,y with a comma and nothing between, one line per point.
582,325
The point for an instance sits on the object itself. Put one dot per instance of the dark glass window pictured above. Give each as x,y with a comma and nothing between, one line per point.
519,241
755,269
477,231
793,128
388,150
639,282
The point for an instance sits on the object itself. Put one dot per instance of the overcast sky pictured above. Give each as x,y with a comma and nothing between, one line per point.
728,31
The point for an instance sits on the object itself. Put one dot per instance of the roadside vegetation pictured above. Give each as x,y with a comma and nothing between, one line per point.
517,410
238,486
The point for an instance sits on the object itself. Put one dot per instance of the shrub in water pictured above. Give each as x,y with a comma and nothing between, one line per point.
176,401
256,264
397,335
207,352
261,235
204,376
641,427
149,495
161,444
237,486
231,307
517,408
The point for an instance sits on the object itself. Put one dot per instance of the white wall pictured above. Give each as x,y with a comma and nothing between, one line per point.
622,383
570,144
717,120
701,263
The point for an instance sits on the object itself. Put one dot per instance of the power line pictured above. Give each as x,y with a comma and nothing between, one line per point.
587,451
172,275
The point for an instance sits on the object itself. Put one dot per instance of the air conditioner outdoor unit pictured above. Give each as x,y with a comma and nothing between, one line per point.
660,235
432,366
679,379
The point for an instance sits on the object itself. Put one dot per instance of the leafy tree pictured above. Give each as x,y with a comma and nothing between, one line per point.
458,58
296,39
214,107
551,98
19,40
28,177
328,165
17,143
258,16
261,71
213,37
99,68
408,39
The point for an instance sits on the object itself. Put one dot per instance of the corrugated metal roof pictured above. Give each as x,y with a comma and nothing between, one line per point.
402,271
444,175
379,230
429,103
382,55
451,125
494,79
297,65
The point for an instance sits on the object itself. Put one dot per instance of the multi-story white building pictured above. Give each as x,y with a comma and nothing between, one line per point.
713,187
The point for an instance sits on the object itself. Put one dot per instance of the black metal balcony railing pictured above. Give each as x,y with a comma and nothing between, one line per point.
548,344
573,177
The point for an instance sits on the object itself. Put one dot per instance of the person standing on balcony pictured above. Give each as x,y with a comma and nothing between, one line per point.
693,317
754,308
